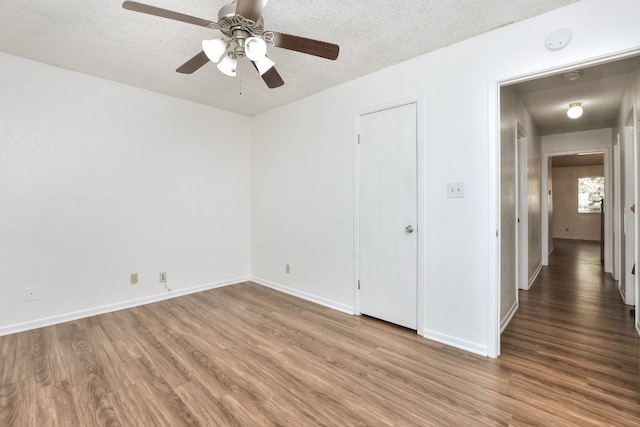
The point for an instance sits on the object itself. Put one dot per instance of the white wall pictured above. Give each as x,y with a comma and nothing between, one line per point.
99,180
115,180
303,168
628,282
573,142
510,107
513,112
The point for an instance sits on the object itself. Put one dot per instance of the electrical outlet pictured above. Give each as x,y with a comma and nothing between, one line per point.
134,278
287,269
31,294
163,277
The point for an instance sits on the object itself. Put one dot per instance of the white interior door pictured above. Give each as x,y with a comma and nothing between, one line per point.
388,215
616,205
522,212
629,189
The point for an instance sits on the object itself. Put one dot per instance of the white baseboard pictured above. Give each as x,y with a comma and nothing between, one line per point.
534,276
469,346
306,296
81,314
623,295
426,333
507,319
68,317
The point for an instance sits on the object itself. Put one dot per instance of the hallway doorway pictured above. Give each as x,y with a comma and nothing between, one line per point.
537,102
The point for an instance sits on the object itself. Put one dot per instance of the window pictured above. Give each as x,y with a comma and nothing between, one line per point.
590,194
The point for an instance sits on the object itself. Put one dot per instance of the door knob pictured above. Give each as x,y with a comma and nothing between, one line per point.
408,229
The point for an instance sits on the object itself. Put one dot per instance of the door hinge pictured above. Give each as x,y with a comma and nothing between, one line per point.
358,138
358,284
496,233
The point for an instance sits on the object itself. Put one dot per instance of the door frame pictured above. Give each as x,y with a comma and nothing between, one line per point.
522,210
630,140
616,205
608,174
585,58
636,177
421,228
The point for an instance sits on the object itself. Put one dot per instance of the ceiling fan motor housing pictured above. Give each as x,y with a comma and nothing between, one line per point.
229,22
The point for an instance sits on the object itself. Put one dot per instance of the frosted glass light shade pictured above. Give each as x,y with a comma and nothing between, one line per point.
264,65
228,66
214,49
575,110
255,48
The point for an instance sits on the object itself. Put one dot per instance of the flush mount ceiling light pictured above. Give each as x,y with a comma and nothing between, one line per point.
243,35
575,110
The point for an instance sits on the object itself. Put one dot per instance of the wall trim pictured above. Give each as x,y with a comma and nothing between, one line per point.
534,276
585,58
425,333
507,319
109,308
621,290
305,296
452,341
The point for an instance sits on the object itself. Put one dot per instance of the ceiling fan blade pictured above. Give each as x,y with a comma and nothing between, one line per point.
194,64
271,77
308,46
250,9
164,13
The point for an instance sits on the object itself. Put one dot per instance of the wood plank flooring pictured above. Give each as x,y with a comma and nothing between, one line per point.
246,355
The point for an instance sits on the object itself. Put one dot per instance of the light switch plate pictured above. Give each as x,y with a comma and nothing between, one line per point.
455,189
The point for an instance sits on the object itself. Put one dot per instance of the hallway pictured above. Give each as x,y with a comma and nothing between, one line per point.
573,338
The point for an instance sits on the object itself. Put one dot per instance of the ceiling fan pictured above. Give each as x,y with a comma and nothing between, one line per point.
243,33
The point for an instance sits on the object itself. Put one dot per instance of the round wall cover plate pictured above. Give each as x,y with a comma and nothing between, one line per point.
558,39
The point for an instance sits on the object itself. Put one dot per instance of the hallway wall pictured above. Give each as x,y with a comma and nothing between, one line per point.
629,256
567,222
99,180
512,113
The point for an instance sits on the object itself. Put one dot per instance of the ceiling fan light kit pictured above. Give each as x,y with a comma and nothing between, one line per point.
228,65
263,65
214,49
255,48
242,27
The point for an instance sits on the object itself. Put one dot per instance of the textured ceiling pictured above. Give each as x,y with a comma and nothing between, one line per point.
600,89
100,38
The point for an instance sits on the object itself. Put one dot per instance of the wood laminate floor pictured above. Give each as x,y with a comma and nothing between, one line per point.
250,356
